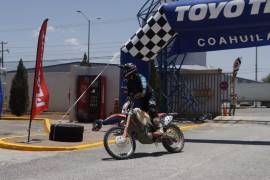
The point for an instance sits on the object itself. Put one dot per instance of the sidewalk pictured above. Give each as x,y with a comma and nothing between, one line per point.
242,118
15,135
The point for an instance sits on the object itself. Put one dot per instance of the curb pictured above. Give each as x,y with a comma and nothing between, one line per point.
7,145
13,146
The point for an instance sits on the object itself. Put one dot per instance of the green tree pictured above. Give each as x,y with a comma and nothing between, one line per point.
155,82
266,79
19,97
84,61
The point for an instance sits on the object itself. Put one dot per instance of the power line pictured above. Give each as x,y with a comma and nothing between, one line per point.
112,21
68,52
66,59
74,48
48,51
70,45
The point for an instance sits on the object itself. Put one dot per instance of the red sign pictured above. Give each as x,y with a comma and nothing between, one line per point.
40,97
224,85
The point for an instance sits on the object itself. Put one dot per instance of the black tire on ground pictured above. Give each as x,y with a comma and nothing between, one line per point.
66,132
106,143
180,134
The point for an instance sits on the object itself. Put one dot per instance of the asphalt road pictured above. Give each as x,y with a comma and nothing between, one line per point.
230,150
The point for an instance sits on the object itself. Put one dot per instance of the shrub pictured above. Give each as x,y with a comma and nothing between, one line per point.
19,97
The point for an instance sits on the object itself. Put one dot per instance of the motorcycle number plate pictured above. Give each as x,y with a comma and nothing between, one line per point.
167,119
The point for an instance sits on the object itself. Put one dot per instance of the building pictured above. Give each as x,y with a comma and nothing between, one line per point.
62,83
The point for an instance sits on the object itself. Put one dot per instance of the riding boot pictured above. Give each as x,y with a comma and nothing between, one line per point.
97,124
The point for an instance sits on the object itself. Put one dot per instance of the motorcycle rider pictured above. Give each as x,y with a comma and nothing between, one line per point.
144,98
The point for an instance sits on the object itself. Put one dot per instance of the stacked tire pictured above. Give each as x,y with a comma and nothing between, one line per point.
66,132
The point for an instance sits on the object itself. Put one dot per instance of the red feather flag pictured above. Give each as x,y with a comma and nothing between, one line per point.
40,98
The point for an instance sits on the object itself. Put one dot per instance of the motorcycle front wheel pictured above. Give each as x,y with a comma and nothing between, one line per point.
175,141
116,146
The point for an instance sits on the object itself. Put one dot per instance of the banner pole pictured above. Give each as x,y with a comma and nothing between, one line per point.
39,56
33,99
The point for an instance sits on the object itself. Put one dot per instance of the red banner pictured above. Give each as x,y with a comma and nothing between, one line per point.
40,97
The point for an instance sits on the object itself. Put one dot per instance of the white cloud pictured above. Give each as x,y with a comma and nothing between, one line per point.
35,32
72,41
71,30
75,44
51,28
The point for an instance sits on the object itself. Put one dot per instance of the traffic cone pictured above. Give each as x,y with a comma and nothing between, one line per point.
225,109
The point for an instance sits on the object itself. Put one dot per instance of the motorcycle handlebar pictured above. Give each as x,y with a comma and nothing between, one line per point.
120,66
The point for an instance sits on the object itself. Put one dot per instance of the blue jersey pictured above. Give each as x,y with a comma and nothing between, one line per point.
138,84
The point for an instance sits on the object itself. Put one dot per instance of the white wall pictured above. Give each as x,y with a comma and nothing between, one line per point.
58,84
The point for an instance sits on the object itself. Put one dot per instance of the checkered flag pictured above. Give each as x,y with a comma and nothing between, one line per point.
146,43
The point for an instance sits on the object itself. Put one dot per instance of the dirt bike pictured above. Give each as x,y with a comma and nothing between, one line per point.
139,122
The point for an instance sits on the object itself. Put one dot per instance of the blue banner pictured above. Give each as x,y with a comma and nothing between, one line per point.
204,15
209,25
1,98
212,40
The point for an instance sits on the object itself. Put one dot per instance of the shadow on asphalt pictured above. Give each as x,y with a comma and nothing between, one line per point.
209,141
142,155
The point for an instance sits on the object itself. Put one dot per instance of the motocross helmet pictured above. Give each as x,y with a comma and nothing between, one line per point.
129,69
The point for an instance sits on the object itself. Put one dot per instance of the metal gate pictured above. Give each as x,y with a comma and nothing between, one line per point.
202,92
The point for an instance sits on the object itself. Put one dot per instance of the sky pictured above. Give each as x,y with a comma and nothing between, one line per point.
112,24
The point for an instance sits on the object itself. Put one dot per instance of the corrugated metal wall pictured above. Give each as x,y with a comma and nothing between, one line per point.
201,92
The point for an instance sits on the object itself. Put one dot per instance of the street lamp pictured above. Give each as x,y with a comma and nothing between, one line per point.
89,22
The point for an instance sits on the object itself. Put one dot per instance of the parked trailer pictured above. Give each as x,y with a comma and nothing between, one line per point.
254,92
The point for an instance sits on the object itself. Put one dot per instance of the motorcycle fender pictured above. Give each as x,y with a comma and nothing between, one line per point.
113,119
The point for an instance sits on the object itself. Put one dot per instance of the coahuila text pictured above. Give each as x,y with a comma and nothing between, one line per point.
228,40
229,9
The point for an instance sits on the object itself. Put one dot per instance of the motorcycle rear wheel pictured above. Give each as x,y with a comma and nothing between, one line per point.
176,143
116,149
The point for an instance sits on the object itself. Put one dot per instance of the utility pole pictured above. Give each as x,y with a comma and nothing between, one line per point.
2,77
2,51
256,69
89,23
256,65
